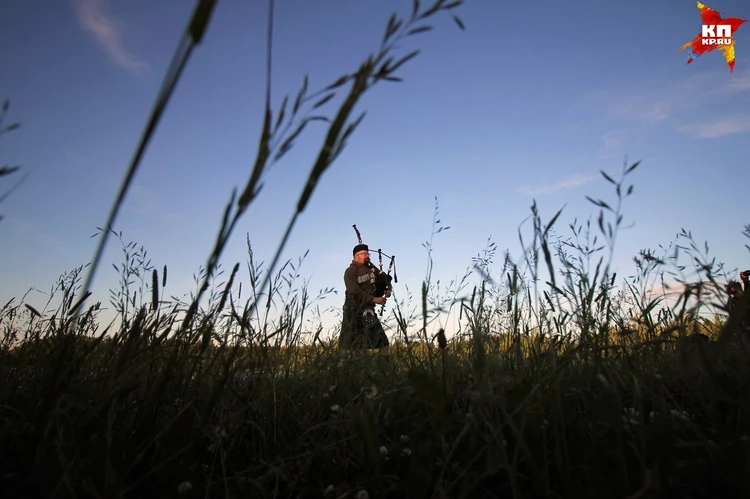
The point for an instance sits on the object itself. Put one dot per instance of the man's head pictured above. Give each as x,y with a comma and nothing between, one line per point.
361,253
734,288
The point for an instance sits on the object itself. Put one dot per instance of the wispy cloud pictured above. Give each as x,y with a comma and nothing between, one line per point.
741,84
146,202
676,104
642,109
29,229
611,140
92,17
568,183
719,128
610,146
647,105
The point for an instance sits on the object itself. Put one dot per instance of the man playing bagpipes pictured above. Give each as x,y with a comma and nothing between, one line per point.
366,286
736,295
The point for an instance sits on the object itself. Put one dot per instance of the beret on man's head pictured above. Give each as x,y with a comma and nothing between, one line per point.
358,248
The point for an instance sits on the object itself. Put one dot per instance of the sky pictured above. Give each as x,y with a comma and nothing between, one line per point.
528,103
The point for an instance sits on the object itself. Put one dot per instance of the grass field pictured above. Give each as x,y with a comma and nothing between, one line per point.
587,391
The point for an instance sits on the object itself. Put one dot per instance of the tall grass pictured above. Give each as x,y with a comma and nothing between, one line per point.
586,387
6,170
559,381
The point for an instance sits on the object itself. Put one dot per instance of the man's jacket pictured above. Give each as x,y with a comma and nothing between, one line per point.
359,280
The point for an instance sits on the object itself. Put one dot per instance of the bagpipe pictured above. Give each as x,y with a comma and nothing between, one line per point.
382,279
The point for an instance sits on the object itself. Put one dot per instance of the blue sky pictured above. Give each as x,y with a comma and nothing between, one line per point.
528,103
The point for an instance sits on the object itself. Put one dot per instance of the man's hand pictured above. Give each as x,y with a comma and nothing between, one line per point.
380,300
745,275
387,293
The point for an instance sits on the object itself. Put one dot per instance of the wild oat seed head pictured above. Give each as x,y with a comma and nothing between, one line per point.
328,490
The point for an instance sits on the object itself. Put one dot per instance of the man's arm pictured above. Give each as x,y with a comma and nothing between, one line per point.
352,286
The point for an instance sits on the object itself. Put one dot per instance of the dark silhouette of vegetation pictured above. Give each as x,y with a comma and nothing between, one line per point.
6,170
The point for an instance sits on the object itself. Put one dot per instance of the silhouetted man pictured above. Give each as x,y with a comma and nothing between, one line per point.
360,326
736,294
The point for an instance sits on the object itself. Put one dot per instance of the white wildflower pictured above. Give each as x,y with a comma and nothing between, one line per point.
406,452
362,494
383,450
404,438
328,490
629,421
371,391
184,488
680,415
335,409
630,416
